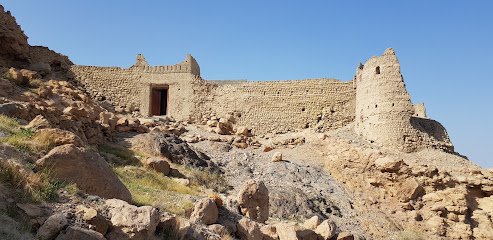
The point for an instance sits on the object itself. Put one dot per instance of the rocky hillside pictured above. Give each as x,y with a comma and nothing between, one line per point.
70,169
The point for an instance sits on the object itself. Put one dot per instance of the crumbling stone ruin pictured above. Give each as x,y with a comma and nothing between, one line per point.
376,100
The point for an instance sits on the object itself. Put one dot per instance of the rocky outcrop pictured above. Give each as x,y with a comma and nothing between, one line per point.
87,169
14,50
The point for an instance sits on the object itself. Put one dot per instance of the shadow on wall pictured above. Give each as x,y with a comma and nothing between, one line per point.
434,129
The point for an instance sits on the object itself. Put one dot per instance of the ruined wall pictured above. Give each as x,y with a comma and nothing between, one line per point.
384,109
281,106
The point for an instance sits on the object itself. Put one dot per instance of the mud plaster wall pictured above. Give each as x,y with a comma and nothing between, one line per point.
128,90
377,99
384,109
281,106
276,106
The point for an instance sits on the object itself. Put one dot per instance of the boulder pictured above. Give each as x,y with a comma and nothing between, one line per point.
277,157
91,216
409,190
122,122
219,229
286,231
217,199
15,110
253,199
194,231
38,122
312,223
23,76
171,147
249,230
242,131
270,232
108,119
52,226
159,165
30,210
5,87
388,164
345,236
60,137
205,211
75,233
168,224
131,222
326,229
76,111
87,169
307,234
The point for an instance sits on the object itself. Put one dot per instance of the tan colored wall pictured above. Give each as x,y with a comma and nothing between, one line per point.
378,102
281,106
129,89
384,110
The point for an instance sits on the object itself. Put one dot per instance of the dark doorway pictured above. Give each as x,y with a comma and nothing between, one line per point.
159,102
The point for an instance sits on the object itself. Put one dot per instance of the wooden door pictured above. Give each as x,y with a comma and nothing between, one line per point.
155,102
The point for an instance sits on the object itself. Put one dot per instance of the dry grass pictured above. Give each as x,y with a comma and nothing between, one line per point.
119,156
24,140
210,180
152,188
36,187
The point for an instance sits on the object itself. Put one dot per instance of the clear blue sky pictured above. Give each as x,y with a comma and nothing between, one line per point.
445,47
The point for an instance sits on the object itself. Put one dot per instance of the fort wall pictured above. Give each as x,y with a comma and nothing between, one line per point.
376,100
281,106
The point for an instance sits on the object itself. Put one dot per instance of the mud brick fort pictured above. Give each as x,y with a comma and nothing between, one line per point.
376,100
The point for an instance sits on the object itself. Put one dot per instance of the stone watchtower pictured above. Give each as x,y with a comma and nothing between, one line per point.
383,106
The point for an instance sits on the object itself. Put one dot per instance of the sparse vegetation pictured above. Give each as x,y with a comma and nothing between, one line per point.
210,180
119,156
35,83
152,188
37,187
24,140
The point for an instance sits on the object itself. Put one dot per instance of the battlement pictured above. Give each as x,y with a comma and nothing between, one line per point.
190,65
